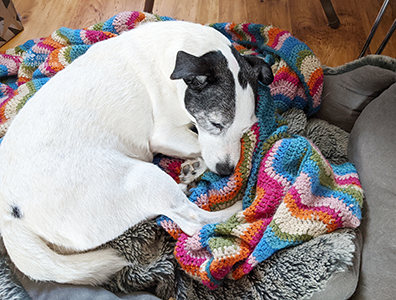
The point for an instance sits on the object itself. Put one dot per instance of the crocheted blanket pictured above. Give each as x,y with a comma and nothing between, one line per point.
290,192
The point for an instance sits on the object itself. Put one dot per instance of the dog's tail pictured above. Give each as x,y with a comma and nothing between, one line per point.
34,258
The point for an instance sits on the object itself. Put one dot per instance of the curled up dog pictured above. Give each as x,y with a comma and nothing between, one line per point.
75,164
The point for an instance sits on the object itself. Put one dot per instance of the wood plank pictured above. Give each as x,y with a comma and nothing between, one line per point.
90,12
332,46
211,11
338,46
187,10
273,12
304,19
41,17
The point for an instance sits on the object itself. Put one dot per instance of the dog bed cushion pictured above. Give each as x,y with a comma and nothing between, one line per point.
349,88
372,147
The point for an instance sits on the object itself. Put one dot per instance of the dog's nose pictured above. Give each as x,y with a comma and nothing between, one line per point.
224,169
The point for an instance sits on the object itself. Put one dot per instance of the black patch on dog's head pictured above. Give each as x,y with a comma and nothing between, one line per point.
252,69
16,213
210,89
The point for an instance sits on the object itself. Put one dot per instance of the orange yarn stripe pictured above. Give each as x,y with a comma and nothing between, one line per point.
220,198
250,212
53,61
287,70
272,34
318,73
309,214
232,28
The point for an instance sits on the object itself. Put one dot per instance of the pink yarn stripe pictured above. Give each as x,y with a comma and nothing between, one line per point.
226,190
277,39
119,22
169,225
274,193
42,48
283,36
11,62
131,23
331,205
349,179
202,201
92,37
182,246
317,86
221,272
284,87
245,27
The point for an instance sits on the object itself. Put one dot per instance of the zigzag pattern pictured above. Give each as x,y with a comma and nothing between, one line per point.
290,193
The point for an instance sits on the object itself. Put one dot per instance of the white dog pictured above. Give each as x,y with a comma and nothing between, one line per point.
75,164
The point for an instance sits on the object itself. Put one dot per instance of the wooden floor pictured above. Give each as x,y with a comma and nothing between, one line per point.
304,19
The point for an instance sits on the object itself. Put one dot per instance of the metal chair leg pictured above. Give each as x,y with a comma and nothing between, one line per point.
374,28
387,37
331,15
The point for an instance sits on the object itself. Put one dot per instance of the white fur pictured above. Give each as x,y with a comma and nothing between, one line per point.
76,159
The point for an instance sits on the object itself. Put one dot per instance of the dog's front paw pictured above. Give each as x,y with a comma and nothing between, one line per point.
191,170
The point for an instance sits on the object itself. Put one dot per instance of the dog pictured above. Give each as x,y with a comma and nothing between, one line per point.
76,163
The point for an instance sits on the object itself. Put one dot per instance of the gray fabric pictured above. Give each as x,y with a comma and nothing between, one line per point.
10,288
150,250
381,61
346,94
342,285
372,147
51,291
330,139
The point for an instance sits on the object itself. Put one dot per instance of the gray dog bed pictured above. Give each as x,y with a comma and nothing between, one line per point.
327,267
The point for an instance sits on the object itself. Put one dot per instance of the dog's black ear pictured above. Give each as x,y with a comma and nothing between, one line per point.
192,69
261,68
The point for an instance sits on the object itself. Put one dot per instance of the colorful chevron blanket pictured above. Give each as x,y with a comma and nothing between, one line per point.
290,193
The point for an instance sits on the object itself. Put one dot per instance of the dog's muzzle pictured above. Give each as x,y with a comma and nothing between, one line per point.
224,168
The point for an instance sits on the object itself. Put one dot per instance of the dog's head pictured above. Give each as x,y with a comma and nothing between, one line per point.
220,99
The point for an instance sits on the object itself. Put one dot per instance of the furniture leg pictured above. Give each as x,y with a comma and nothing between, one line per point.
331,15
374,28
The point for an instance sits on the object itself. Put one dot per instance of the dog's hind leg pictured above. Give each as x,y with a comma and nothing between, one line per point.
144,192
161,195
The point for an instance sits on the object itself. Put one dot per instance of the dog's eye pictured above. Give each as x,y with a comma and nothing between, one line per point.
217,125
196,82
